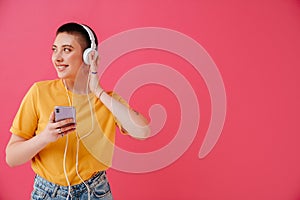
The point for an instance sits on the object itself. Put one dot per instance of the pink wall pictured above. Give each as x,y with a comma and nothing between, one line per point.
255,45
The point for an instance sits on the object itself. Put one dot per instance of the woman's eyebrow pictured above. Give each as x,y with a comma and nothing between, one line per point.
65,45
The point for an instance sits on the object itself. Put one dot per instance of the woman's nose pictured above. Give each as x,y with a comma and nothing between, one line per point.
57,56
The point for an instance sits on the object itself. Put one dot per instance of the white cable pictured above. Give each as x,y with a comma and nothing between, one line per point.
65,170
91,111
87,187
78,142
80,138
65,152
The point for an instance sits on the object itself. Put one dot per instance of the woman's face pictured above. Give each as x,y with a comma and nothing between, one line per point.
67,55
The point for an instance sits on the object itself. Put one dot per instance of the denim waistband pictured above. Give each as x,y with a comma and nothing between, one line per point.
56,189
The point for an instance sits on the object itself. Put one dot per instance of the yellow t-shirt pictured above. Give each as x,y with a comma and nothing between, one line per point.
95,124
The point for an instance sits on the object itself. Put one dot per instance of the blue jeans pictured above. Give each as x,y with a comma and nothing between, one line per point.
98,185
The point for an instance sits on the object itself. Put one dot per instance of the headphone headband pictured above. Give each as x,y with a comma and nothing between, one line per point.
91,36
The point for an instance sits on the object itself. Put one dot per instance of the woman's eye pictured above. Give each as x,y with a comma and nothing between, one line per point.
67,50
53,49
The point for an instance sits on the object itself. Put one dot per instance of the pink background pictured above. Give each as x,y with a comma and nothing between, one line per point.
256,46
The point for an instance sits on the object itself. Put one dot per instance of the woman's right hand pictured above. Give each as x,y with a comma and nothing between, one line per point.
55,130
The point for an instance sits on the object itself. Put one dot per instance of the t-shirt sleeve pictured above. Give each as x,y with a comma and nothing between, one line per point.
25,121
124,102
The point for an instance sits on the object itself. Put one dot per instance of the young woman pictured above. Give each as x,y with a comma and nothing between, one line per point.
70,156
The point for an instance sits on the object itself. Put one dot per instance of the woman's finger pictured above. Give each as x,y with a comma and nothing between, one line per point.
52,117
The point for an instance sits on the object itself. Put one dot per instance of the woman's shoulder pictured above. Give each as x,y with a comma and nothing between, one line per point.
47,84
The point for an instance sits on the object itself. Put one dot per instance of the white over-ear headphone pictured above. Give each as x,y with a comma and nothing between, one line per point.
93,46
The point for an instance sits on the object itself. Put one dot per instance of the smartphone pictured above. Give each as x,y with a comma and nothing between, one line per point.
65,112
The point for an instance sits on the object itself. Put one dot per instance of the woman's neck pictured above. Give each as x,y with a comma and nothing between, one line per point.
79,85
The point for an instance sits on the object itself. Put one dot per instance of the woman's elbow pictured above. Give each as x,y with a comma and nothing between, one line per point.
10,164
147,132
141,133
9,161
9,158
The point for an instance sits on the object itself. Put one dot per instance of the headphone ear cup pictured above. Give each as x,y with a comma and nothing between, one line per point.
86,54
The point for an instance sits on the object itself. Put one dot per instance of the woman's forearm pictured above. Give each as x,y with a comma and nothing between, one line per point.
133,122
20,150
